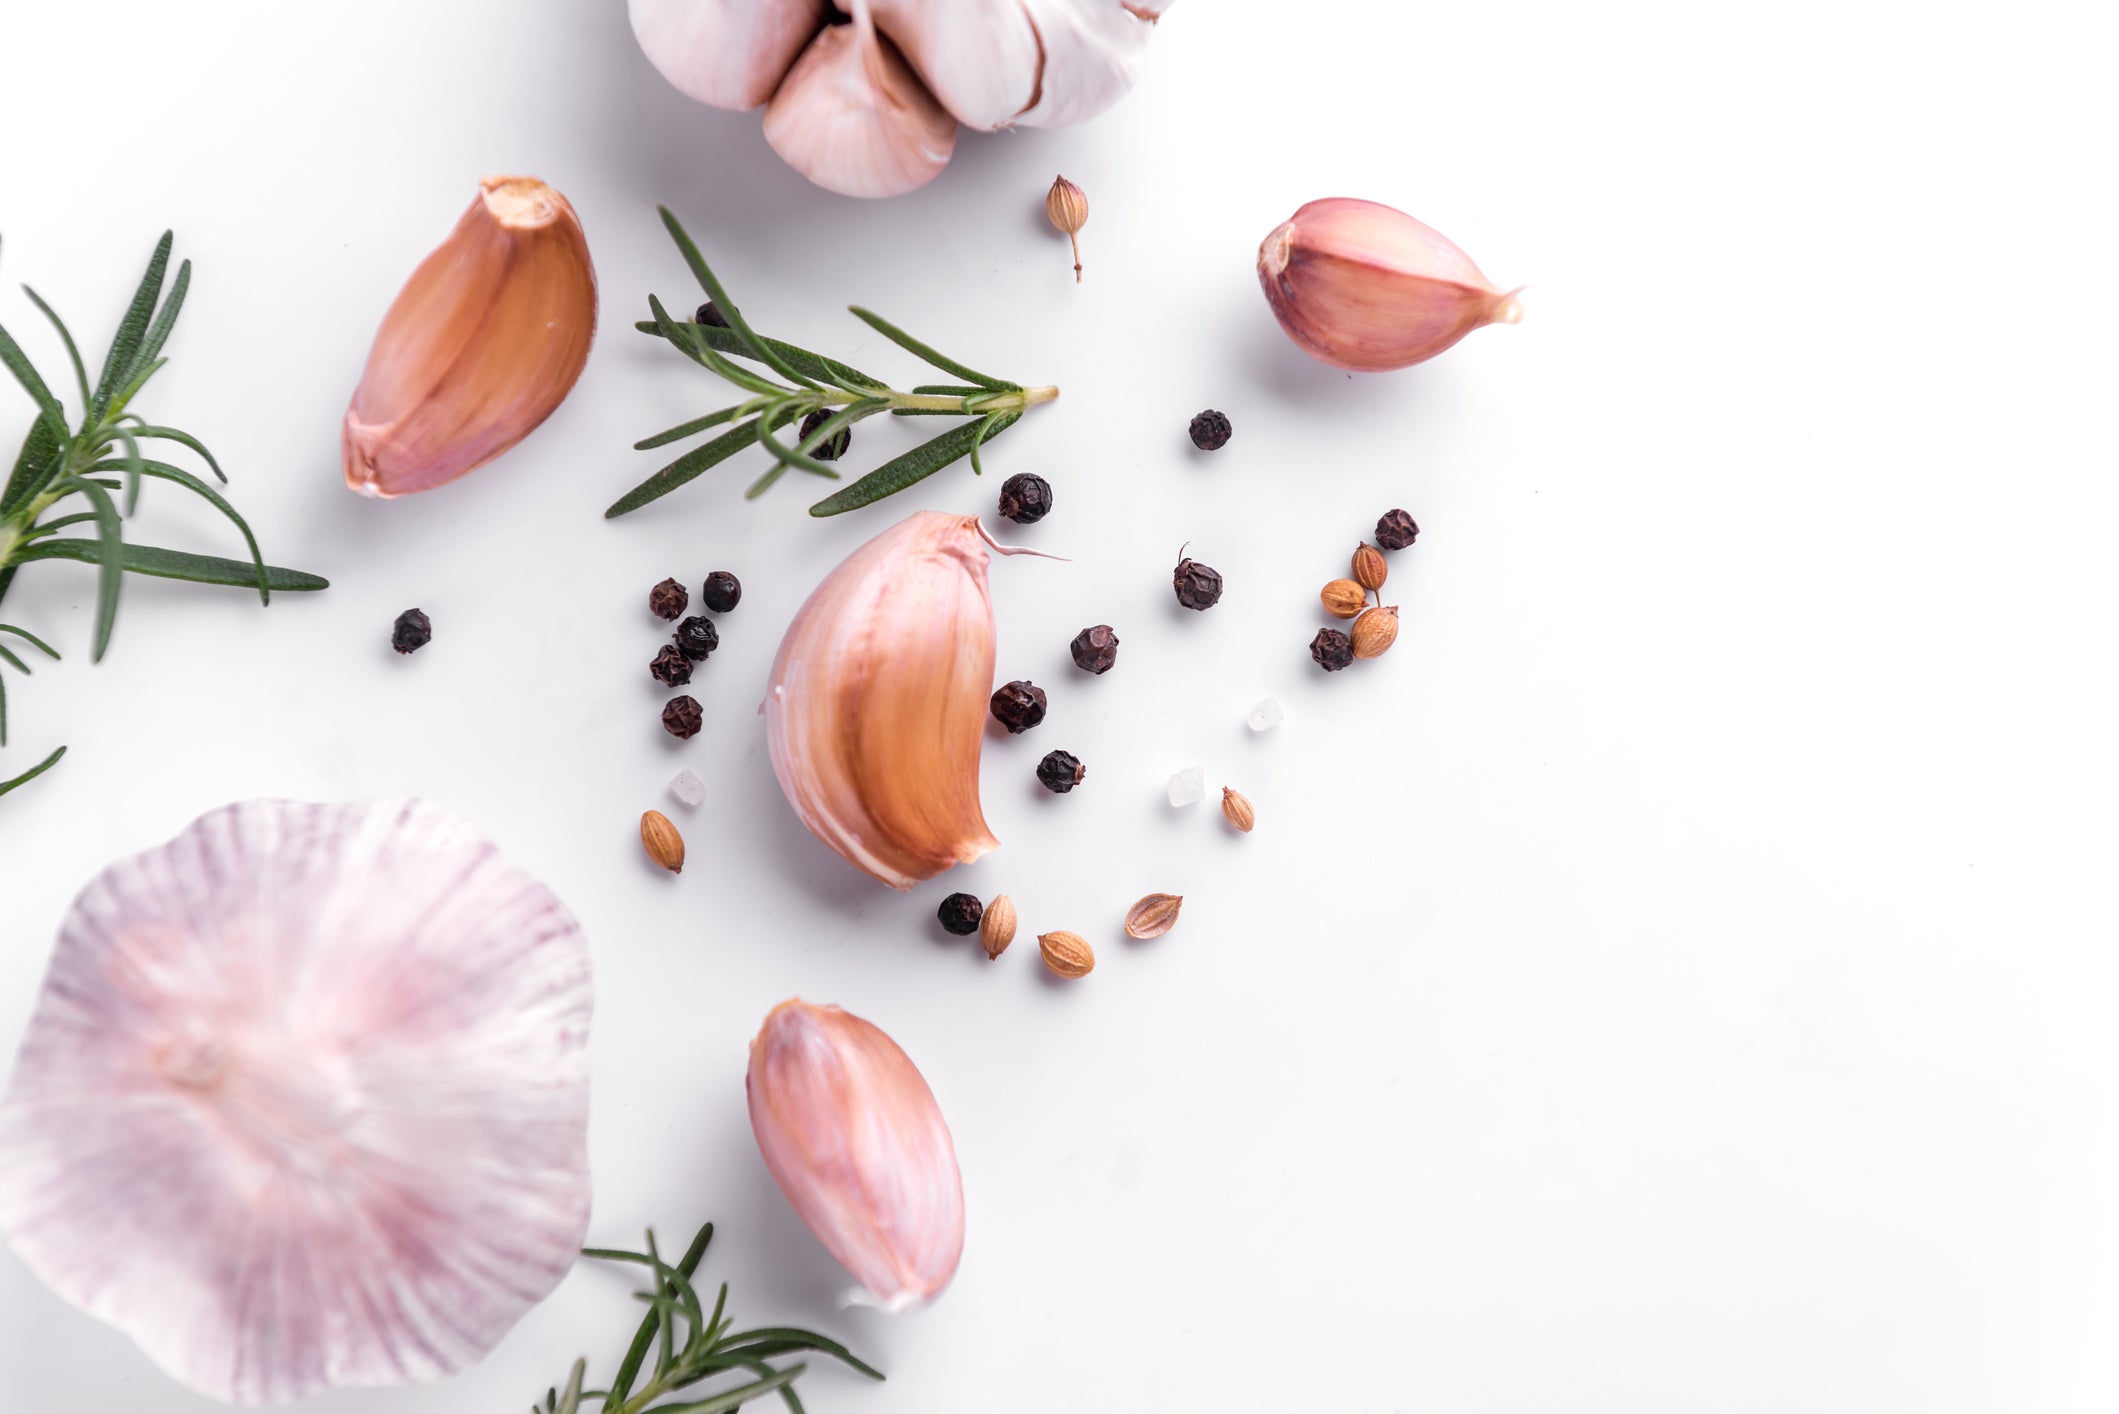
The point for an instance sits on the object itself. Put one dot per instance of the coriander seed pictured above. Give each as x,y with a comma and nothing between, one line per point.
1343,598
1375,631
1370,569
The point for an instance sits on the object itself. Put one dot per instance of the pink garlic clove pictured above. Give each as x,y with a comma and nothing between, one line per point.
304,1100
1364,287
481,345
852,118
855,1140
876,710
1031,63
729,53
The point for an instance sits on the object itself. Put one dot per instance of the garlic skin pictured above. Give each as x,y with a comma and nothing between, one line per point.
876,709
728,53
303,1103
858,1146
852,118
1031,63
1364,287
481,345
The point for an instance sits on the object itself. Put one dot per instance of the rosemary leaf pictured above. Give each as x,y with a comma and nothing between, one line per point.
165,472
174,564
824,370
131,466
687,429
158,333
918,464
735,1398
691,464
43,452
73,353
110,555
754,345
7,655
184,439
22,633
786,1340
132,329
133,386
932,355
33,772
26,374
706,354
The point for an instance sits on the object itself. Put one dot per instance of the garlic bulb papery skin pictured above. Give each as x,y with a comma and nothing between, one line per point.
855,1140
482,344
876,710
1364,287
729,53
303,1103
1034,63
852,118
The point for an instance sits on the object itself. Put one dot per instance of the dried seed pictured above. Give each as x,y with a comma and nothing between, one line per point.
1331,649
1018,705
1395,530
1370,568
682,717
1343,598
667,599
1153,916
961,914
722,592
662,842
1068,954
1198,587
1236,809
1375,631
412,631
997,928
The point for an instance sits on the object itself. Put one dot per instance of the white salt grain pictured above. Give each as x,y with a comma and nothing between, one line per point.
688,788
1189,786
1267,715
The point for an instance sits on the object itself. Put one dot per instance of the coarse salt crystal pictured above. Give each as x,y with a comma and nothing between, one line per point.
688,788
1189,786
1267,714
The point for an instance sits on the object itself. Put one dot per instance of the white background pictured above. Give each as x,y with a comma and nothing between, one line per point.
1677,978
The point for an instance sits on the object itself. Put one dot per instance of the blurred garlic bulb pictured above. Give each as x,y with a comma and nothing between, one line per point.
304,1100
481,345
855,1140
990,64
1364,287
877,706
730,53
853,119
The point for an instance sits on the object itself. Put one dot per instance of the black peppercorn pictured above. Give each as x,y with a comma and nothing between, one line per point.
667,599
960,914
697,637
1019,706
412,631
671,668
1210,431
1332,649
1061,771
1197,586
832,447
721,592
1026,498
1396,530
1095,649
682,717
710,313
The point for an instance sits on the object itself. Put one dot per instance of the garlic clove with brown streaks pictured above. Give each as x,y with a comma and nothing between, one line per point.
1036,63
854,119
729,53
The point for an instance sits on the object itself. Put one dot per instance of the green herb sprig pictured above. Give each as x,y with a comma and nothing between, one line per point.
57,464
690,1347
808,383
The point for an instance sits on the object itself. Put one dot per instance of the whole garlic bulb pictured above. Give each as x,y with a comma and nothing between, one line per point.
989,64
1362,286
877,706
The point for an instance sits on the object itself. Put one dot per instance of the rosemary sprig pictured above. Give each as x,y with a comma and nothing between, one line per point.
808,383
98,457
691,1346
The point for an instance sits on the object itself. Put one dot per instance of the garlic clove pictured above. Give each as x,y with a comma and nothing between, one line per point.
876,709
1364,287
481,345
729,53
857,1144
1036,63
854,119
303,1103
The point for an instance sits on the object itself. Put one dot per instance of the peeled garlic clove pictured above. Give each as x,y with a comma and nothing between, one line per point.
855,1140
730,53
303,1103
1037,63
481,345
852,118
1364,287
877,706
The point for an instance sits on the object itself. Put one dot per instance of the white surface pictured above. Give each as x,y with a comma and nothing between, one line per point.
1676,978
